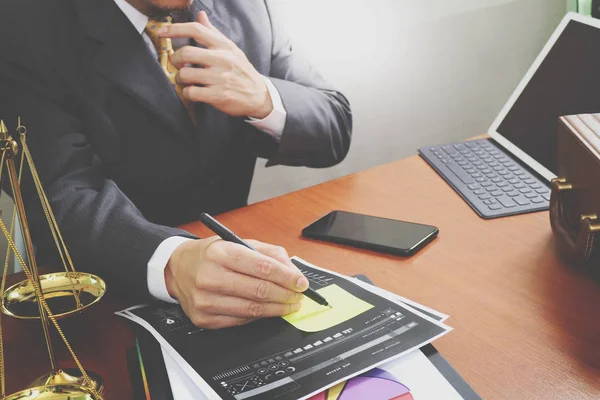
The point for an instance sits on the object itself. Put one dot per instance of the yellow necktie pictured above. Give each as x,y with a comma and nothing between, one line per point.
164,48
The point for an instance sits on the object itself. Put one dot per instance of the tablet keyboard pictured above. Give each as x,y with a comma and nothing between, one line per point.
488,178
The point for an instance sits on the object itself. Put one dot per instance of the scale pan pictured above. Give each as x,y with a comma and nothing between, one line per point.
54,392
19,300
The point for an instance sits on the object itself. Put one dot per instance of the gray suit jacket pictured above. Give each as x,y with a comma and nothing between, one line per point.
118,155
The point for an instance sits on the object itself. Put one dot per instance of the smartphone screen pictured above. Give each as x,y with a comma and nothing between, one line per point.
373,233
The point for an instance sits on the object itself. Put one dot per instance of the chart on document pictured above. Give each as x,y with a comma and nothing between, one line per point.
302,353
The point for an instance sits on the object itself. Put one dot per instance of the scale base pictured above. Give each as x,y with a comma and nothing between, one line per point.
66,384
54,392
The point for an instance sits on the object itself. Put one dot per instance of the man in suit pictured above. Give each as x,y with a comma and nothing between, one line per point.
138,125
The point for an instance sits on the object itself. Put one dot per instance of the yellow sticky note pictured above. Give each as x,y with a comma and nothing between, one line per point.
313,317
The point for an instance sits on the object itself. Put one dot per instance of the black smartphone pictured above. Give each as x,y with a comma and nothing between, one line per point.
372,233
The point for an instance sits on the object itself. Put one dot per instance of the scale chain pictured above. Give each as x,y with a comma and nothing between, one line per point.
56,235
11,243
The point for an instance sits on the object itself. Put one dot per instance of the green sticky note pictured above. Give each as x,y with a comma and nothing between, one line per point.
313,317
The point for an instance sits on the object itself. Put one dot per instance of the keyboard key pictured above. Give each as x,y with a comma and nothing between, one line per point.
474,186
481,180
514,181
476,175
477,163
522,201
546,196
488,202
487,171
471,145
470,170
513,168
495,207
531,195
489,160
463,163
460,146
458,171
449,149
493,164
525,191
513,194
504,173
486,184
479,192
510,176
499,168
535,186
482,167
507,163
530,181
502,184
542,191
520,186
508,189
491,189
506,201
538,200
500,157
491,175
485,197
497,193
497,179
520,173
473,158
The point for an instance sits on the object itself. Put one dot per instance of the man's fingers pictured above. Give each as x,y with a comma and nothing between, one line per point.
196,76
248,262
202,34
197,56
203,19
218,304
234,284
276,252
199,94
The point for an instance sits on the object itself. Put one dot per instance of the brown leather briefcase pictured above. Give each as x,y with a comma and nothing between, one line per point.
575,200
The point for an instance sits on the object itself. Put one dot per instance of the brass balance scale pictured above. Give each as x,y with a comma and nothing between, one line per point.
49,297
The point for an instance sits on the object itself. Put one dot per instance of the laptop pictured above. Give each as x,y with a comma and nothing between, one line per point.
509,173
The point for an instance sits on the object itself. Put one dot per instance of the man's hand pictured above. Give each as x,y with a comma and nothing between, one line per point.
221,74
221,284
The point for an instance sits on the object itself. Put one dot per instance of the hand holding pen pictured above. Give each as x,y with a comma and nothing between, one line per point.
229,236
221,284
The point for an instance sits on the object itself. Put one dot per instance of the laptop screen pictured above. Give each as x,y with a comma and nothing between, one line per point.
566,82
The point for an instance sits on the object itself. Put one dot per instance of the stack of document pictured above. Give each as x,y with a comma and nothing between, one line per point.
363,346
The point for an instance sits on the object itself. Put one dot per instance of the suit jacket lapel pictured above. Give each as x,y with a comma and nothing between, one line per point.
125,59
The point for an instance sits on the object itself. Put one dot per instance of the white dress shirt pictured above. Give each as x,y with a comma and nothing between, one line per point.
273,125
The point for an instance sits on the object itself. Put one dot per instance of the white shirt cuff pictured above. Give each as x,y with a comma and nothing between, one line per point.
274,123
156,268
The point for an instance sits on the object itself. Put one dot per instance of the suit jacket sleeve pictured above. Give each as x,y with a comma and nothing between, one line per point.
319,121
104,231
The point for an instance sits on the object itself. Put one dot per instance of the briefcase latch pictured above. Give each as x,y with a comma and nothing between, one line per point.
576,243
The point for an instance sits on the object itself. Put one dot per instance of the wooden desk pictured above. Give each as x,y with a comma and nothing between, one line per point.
526,326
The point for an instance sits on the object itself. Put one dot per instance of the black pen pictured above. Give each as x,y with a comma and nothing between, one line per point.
224,233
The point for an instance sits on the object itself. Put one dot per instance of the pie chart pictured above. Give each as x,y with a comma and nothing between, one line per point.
376,384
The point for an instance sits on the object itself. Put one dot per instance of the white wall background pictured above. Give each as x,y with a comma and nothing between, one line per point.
416,72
